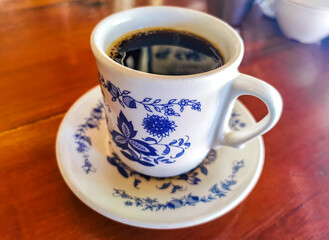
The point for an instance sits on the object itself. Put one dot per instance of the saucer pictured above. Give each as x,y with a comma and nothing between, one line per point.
97,176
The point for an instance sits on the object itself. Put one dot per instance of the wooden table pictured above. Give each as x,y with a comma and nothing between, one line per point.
46,64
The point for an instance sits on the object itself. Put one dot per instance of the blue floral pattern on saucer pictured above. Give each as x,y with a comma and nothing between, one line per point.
217,191
211,190
174,183
83,141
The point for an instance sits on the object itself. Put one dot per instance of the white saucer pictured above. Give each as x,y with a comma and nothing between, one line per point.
106,185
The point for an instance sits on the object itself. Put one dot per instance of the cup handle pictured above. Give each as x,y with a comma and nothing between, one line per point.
247,85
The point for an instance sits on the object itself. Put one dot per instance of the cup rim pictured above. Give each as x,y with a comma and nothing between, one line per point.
233,62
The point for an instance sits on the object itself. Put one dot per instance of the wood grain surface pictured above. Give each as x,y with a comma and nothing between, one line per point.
46,64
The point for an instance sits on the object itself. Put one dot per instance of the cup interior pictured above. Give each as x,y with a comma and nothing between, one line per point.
216,31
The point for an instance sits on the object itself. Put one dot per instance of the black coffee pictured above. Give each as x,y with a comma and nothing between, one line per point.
166,52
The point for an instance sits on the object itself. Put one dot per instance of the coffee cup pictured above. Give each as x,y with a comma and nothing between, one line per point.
165,125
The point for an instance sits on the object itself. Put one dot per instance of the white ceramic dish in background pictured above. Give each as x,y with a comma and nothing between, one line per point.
316,4
303,20
99,179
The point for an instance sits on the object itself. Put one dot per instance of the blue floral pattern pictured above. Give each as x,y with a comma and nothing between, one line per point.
158,126
174,183
171,108
81,138
235,122
84,142
125,136
217,191
149,151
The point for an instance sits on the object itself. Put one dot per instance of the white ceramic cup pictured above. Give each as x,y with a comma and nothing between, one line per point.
303,20
162,125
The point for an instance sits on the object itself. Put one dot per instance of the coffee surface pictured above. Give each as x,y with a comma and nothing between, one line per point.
166,52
